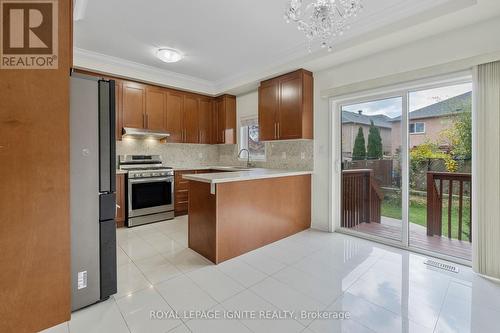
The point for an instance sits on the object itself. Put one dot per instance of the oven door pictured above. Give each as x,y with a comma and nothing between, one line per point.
150,195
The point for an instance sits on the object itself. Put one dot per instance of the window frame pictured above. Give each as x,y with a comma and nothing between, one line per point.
415,127
244,145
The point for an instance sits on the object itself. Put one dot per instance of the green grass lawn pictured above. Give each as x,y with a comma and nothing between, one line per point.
391,207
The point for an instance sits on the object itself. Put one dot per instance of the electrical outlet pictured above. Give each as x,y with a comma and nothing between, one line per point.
283,155
303,155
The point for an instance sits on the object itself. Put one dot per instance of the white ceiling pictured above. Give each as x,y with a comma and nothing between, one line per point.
224,41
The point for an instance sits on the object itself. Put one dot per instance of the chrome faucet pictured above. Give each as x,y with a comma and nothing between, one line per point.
249,165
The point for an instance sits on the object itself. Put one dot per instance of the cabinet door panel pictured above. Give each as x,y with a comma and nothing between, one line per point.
214,122
191,119
133,105
268,106
156,109
175,103
204,120
230,120
221,120
290,108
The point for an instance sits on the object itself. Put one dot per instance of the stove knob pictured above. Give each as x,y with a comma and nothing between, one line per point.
145,174
155,174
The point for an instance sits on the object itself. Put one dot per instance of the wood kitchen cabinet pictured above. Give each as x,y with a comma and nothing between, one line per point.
190,119
181,192
205,120
134,105
156,109
225,108
120,200
175,105
187,117
286,107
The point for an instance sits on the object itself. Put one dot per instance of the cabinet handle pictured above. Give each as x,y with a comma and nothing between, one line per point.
147,120
279,132
143,120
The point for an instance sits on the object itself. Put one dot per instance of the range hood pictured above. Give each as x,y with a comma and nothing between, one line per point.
141,133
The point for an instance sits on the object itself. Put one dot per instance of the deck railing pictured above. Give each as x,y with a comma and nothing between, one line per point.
436,183
361,198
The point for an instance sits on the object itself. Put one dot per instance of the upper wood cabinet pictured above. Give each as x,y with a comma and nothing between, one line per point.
156,109
187,117
286,107
225,108
175,106
190,118
134,105
205,120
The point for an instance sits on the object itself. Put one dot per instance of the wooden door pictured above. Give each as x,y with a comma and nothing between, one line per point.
290,107
268,107
175,101
134,102
191,119
156,106
221,120
204,120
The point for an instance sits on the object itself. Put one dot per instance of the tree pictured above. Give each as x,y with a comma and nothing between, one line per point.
459,135
359,150
374,149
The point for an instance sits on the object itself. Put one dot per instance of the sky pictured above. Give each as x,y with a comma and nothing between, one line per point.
419,99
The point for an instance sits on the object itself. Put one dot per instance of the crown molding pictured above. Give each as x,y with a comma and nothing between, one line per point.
102,63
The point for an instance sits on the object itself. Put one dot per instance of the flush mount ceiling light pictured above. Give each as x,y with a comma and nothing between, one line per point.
322,19
168,55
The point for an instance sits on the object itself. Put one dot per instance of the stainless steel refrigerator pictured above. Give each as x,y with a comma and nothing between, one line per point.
93,200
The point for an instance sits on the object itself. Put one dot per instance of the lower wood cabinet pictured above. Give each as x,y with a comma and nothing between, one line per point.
181,189
120,200
181,192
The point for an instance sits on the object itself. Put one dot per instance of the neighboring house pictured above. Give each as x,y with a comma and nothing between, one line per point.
427,124
352,121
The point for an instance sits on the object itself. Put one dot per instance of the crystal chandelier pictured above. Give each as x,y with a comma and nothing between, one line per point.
322,20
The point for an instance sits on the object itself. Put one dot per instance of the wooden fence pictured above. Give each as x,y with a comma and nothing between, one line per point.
382,169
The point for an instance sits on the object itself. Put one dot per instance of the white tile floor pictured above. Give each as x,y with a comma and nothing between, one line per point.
384,289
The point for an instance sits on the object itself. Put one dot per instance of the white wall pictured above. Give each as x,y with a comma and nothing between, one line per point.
440,49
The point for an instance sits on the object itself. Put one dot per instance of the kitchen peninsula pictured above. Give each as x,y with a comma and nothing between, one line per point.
231,213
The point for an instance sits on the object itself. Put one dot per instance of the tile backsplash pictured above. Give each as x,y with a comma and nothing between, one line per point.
173,154
295,154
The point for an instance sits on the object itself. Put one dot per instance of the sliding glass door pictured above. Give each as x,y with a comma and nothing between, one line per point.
406,168
371,168
440,160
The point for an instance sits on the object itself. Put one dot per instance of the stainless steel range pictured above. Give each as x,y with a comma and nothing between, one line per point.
150,190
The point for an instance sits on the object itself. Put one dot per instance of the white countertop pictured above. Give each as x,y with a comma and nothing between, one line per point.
237,176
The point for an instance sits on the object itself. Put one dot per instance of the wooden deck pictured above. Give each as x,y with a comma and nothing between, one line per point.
391,228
